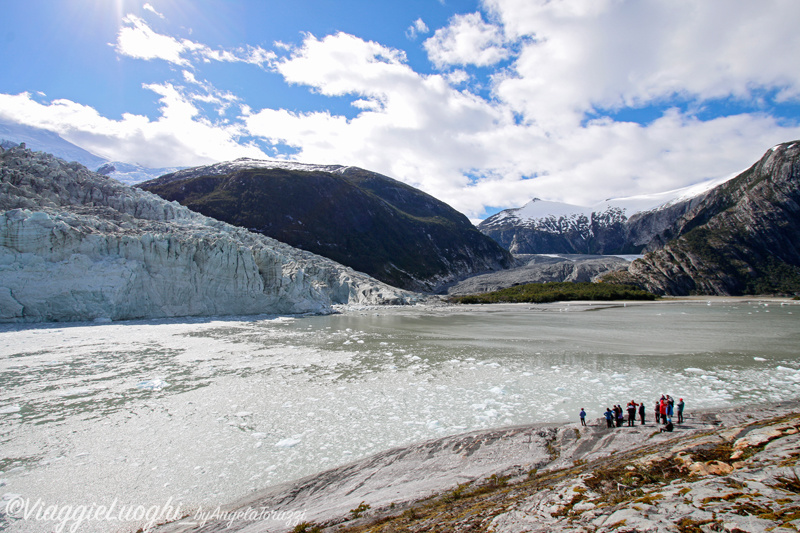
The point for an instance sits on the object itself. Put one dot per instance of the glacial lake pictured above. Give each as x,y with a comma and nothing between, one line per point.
205,411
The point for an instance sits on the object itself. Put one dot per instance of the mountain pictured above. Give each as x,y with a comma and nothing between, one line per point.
362,219
11,135
617,226
76,245
46,141
741,238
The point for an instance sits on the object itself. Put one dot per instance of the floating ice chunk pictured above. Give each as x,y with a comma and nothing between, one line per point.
287,443
259,435
694,370
384,344
497,390
152,384
758,359
8,409
243,414
433,424
619,376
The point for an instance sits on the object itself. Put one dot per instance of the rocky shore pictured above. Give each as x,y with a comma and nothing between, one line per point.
728,470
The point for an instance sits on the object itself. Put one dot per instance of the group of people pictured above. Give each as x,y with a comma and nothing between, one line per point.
665,409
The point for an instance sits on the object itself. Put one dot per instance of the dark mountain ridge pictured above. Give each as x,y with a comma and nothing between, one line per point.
362,219
740,238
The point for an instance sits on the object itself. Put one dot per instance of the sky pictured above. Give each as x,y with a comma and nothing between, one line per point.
484,104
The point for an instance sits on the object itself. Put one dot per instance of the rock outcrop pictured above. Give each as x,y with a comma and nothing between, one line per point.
359,218
75,245
733,470
741,238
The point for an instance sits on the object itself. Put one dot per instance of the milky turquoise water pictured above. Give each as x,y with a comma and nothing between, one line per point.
203,411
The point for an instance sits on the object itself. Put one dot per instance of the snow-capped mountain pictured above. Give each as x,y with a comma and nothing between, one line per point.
46,141
42,140
616,226
246,163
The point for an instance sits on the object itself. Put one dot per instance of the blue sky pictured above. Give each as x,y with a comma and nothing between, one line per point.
484,104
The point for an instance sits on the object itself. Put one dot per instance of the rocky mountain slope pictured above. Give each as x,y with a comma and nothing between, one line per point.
720,470
743,237
75,245
619,226
367,221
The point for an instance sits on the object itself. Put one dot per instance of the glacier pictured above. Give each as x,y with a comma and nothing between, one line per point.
77,246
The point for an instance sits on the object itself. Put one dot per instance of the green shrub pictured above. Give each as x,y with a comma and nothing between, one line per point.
555,292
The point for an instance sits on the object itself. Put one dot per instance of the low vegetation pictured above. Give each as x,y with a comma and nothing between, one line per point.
557,292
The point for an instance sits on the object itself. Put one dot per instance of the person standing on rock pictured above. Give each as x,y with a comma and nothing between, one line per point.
662,407
670,406
631,413
620,416
658,412
609,417
583,417
680,410
641,412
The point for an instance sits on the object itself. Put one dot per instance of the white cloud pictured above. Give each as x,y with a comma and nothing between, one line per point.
473,152
180,136
468,40
136,39
416,128
539,133
419,27
582,54
150,8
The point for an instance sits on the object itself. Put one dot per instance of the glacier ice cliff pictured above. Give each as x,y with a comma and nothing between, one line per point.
76,245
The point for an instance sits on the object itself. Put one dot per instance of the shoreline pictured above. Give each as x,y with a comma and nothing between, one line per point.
393,480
